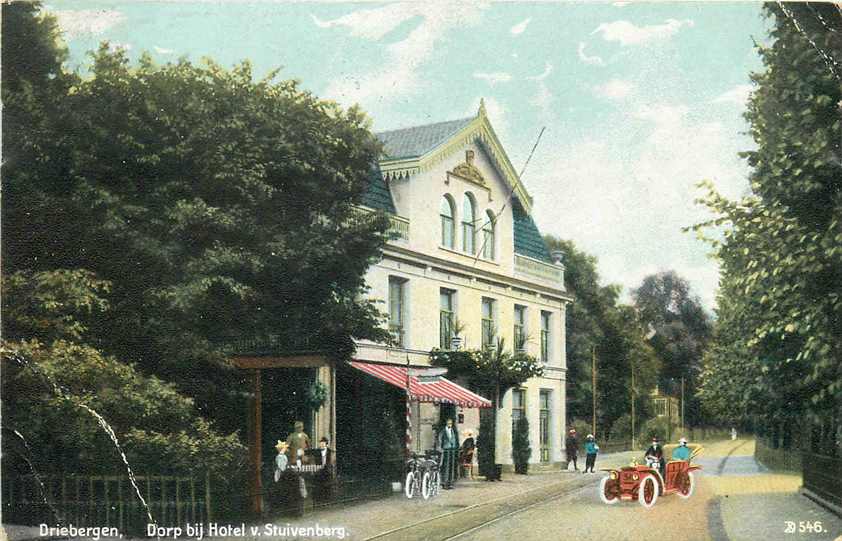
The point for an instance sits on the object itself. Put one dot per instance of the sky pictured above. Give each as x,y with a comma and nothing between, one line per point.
640,101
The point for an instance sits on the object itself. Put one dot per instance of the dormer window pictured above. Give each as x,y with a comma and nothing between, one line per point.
488,236
469,217
448,227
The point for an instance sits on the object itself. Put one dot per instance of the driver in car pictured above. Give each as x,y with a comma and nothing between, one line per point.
682,452
655,453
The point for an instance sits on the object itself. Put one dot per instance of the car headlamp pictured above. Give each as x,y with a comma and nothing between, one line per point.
613,475
635,477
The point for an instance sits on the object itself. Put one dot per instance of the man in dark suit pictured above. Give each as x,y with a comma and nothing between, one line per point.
656,451
449,444
325,453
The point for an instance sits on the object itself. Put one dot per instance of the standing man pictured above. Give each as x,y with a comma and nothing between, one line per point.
591,449
571,446
449,444
298,442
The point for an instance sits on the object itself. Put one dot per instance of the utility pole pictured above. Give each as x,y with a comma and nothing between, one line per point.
682,402
632,404
593,388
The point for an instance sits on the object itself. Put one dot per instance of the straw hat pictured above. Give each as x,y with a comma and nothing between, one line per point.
281,446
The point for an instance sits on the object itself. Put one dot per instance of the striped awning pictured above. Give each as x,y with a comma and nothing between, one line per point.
439,391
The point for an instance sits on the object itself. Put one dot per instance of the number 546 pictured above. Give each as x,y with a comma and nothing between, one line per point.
803,526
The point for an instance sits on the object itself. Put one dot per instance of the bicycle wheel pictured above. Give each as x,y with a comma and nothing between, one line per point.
409,485
436,482
426,486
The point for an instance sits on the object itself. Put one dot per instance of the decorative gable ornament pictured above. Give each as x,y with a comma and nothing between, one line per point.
469,171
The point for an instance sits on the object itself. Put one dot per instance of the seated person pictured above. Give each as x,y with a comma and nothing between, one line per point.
682,452
655,452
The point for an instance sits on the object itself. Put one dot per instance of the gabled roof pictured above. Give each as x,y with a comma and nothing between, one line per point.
410,151
419,140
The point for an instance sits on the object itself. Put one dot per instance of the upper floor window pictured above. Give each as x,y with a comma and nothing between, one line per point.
397,302
448,227
489,327
518,407
446,317
488,236
520,328
545,336
469,218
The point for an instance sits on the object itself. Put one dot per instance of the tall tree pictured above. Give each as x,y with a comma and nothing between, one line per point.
218,206
597,323
781,256
682,331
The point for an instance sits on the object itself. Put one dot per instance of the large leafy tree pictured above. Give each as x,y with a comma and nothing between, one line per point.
598,324
682,330
218,206
780,302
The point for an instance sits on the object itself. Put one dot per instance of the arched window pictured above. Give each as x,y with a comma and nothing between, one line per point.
448,231
488,236
469,227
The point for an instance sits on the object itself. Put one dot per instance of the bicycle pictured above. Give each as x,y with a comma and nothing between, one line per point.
431,481
414,477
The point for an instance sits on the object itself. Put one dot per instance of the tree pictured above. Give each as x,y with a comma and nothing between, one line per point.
55,385
597,323
492,372
682,331
780,255
217,207
521,450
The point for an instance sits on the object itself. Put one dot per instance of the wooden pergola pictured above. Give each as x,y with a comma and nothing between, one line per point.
325,421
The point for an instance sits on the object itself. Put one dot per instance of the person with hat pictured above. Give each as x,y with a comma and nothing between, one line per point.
591,449
466,454
448,440
298,442
655,452
571,446
682,452
281,461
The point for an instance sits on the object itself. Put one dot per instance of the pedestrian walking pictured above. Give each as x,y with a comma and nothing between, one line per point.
733,433
591,450
571,446
449,444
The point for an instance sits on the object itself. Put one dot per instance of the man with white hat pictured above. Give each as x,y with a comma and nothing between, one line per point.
682,452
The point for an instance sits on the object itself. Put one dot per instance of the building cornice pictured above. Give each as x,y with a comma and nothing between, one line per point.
422,260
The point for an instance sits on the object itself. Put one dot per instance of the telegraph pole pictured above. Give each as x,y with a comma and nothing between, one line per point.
593,388
682,402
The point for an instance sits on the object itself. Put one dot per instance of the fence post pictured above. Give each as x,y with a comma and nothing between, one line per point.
121,526
193,516
178,501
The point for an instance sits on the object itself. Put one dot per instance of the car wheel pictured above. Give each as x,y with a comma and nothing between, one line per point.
426,486
409,485
647,493
685,489
609,491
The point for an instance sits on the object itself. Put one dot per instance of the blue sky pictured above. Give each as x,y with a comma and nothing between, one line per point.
640,100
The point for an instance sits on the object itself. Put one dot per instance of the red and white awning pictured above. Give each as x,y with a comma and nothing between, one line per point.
440,391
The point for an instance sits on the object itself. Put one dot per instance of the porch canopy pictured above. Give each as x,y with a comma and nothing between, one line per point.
439,391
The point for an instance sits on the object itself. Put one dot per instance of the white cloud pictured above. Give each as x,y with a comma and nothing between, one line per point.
493,78
520,27
626,197
117,46
620,4
630,34
161,50
75,23
398,75
739,95
543,97
615,89
548,68
590,60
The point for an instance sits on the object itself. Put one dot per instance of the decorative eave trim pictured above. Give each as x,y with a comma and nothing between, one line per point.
478,130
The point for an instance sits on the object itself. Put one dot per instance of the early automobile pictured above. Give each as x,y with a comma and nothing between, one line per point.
644,483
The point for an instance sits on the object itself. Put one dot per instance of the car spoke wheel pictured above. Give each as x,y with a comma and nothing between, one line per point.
685,488
647,494
409,486
426,486
609,490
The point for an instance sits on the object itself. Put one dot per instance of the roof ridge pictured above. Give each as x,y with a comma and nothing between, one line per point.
431,124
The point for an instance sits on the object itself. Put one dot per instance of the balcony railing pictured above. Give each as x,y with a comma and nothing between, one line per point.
539,269
398,225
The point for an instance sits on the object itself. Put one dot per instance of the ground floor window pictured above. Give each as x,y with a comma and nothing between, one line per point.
544,428
518,407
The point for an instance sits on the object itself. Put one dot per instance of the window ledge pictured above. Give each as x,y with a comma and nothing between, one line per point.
468,256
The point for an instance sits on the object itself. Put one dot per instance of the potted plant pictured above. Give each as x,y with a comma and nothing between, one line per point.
456,339
316,395
521,451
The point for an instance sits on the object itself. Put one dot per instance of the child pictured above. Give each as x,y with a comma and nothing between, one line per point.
591,449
